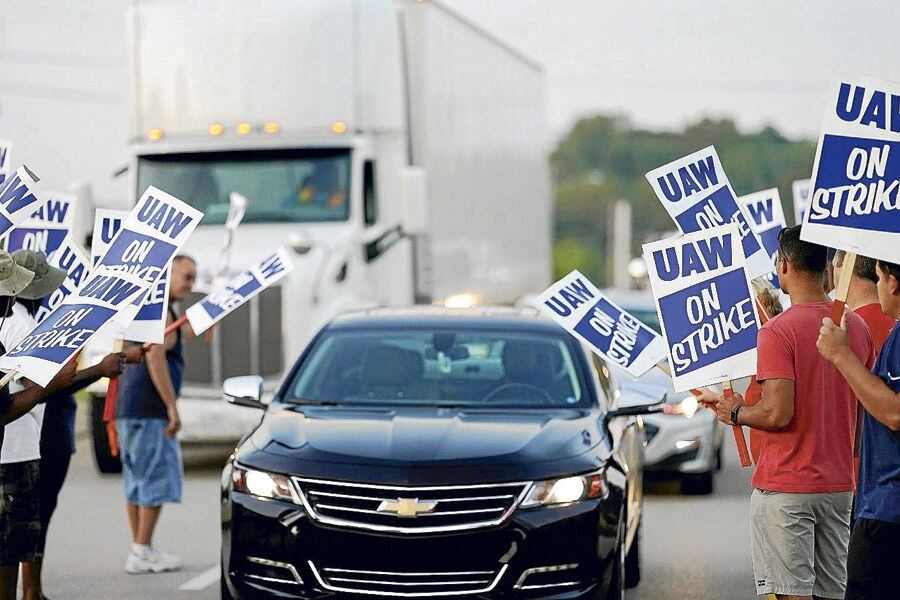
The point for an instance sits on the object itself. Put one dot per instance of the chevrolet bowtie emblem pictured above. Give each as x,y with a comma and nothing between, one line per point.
407,507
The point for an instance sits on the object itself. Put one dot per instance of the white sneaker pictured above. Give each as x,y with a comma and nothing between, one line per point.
153,561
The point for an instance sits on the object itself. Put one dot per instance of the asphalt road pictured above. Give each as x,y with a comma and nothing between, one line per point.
693,547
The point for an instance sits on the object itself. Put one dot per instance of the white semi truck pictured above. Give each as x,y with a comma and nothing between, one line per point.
398,150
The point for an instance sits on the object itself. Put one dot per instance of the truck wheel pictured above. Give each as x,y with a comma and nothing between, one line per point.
699,484
106,462
633,560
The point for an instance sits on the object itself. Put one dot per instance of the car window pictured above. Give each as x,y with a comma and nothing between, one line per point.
443,367
605,378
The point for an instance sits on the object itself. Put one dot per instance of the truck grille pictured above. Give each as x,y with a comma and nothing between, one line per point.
247,342
394,583
410,509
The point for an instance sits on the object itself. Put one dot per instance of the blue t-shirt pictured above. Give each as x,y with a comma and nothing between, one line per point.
878,490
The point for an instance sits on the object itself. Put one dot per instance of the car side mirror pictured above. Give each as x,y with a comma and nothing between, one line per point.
244,391
639,399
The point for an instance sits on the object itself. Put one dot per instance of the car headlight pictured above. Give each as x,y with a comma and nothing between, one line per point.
262,484
566,490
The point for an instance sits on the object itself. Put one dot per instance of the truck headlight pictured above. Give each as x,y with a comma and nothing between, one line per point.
566,490
262,484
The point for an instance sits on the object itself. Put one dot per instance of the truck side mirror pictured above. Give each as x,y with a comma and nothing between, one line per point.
413,192
244,391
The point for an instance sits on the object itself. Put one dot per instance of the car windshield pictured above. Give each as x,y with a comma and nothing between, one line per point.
284,186
441,367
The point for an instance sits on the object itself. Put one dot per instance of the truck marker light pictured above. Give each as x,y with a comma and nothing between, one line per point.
155,134
216,129
271,127
338,127
243,128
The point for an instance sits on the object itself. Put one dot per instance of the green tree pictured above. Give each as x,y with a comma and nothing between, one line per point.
604,158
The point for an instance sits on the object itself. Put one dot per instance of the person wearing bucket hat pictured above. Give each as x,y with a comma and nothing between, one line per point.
14,277
19,450
57,431
46,277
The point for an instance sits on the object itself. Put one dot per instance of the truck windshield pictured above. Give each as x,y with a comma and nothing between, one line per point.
283,186
443,368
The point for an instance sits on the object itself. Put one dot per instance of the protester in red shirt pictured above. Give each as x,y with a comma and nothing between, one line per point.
862,297
803,482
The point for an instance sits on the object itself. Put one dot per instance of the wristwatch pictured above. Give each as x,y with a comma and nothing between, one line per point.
734,414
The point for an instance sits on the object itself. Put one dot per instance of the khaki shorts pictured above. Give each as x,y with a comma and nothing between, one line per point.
799,542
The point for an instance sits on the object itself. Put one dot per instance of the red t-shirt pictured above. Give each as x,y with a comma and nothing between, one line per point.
814,453
880,324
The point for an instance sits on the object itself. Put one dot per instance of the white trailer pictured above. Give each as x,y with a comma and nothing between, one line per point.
399,149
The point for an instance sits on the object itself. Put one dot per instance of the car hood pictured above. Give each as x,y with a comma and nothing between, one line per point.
419,445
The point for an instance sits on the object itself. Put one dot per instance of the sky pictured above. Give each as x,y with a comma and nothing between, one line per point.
664,63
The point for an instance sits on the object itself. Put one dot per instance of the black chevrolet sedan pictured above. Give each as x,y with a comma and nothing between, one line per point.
426,452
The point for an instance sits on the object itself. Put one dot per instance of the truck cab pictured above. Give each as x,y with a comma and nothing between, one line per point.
397,149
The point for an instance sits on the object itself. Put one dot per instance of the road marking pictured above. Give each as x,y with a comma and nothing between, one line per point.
202,581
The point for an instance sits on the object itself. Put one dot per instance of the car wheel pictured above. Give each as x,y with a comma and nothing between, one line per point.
699,484
633,560
103,456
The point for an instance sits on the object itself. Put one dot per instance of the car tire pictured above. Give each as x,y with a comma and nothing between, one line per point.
633,560
698,484
103,456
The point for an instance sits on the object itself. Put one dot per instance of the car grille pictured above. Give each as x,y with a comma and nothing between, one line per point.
418,584
650,432
410,509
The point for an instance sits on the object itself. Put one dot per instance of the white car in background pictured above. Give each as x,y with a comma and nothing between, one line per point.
686,444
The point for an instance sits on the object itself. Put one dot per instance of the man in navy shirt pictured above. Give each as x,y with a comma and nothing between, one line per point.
875,541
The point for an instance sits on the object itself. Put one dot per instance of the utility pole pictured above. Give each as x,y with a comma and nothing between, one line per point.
618,251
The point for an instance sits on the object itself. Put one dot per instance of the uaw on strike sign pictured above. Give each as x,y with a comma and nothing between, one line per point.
46,228
103,298
69,257
580,308
238,290
19,197
767,220
705,305
144,246
854,197
696,193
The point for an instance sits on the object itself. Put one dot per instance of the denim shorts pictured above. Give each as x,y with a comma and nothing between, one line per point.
151,462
